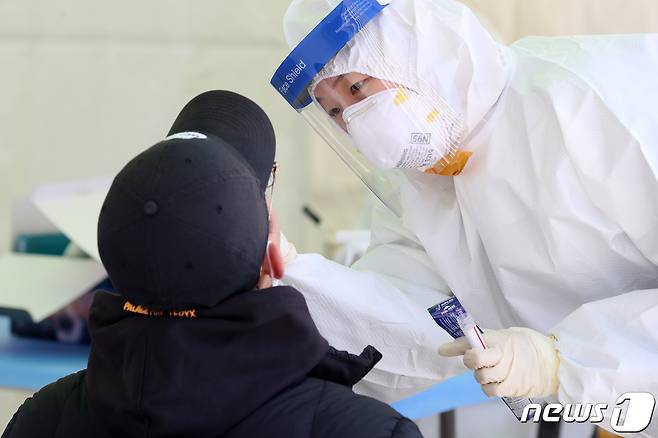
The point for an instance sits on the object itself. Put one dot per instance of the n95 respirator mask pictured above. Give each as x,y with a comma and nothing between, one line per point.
399,128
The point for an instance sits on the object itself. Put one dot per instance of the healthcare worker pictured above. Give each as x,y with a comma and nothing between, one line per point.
521,179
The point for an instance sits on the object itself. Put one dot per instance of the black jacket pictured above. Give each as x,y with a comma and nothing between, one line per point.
255,366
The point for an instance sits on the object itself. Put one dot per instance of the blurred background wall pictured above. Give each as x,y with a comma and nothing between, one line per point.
84,86
514,19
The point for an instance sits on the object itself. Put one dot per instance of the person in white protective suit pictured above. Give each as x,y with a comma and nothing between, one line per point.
521,179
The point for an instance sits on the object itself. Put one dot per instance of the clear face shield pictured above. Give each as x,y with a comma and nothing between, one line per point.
351,80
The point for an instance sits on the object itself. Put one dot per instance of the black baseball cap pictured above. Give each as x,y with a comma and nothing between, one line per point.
185,223
236,120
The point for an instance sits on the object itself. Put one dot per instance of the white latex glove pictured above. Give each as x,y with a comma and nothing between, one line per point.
519,362
288,250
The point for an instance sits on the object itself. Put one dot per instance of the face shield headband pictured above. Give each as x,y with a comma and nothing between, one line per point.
320,46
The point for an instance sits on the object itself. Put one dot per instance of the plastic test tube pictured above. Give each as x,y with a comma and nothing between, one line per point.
475,339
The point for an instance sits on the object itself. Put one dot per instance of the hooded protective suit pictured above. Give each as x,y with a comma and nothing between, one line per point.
552,224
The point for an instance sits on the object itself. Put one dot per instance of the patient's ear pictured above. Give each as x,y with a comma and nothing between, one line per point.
275,264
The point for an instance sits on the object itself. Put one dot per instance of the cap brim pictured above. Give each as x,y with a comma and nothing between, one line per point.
238,121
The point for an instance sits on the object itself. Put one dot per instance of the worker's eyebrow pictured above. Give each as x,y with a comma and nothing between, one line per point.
335,80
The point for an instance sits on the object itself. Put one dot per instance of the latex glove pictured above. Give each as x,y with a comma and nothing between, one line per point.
519,362
288,250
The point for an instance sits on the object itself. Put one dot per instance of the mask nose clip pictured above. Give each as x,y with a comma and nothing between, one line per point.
351,112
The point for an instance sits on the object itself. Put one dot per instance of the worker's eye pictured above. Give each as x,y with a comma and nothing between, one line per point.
357,87
334,112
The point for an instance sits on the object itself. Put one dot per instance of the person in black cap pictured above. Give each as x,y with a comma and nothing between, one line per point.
190,346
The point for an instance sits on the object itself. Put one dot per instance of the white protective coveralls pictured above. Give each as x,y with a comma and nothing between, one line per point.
552,225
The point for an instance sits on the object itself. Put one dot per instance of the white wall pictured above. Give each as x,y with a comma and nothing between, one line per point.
85,86
514,19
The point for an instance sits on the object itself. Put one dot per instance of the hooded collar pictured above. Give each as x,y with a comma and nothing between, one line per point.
199,371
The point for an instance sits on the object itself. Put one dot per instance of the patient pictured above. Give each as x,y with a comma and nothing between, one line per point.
196,343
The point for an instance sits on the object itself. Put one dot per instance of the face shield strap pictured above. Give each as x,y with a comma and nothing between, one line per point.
313,53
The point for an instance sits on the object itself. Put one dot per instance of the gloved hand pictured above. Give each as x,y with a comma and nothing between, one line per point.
288,250
519,362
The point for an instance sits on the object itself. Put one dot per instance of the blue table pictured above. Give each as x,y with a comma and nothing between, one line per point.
31,364
450,394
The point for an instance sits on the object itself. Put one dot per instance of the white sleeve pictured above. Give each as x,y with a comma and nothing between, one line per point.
608,348
381,301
